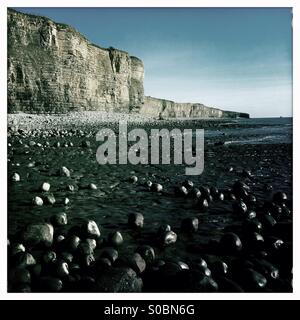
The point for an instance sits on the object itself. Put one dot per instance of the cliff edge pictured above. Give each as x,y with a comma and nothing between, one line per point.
52,68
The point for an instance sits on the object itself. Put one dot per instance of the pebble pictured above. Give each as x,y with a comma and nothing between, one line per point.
15,177
110,253
239,207
64,171
49,199
136,220
133,179
37,201
115,239
45,186
59,219
190,225
156,187
169,237
147,253
181,191
16,248
38,234
231,243
19,275
24,260
90,229
92,186
49,257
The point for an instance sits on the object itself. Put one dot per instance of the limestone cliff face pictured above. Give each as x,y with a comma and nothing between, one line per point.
170,109
52,68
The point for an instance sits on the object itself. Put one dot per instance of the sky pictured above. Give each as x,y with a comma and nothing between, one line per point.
232,58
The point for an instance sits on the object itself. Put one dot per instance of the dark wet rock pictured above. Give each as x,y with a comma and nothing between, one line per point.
23,260
49,284
62,269
199,262
168,238
119,280
202,204
254,241
110,253
21,288
230,243
280,285
66,256
268,222
49,257
38,234
194,193
49,199
239,207
136,220
19,275
188,184
250,214
87,260
147,253
273,243
280,198
181,191
135,262
163,229
284,230
156,187
205,192
196,281
71,243
227,285
276,210
59,219
219,268
102,264
90,229
266,268
91,242
251,200
252,280
115,239
84,249
190,225
36,270
15,248
252,225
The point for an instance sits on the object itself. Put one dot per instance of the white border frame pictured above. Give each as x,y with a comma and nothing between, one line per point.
294,4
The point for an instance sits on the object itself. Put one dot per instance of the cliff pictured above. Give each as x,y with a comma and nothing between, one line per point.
53,68
170,109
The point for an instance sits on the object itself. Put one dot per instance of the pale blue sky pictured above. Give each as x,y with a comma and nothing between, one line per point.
235,59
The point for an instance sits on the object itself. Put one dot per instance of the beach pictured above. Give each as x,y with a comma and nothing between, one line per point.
246,161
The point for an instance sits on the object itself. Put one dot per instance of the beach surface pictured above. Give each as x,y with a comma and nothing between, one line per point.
257,152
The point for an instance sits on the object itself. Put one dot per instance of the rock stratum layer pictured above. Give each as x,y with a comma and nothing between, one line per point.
52,68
